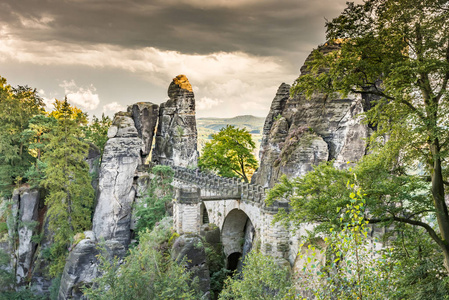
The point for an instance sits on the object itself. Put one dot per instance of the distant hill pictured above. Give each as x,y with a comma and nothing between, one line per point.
251,123
208,126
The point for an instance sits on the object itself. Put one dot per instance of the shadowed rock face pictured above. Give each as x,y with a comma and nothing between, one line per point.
81,268
176,138
299,132
189,250
28,202
145,116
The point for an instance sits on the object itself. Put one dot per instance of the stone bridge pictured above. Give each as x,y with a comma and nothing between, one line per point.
237,208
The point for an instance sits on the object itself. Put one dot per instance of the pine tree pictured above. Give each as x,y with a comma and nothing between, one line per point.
70,194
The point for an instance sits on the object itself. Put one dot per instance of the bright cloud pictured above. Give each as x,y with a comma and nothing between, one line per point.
79,96
113,107
206,103
48,101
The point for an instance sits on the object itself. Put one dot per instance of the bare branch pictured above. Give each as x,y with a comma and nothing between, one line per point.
426,226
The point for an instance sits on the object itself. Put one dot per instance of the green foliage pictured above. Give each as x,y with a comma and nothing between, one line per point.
6,275
38,134
63,111
97,131
353,269
22,294
54,288
421,274
3,228
152,208
70,194
322,197
17,106
397,51
315,197
217,270
229,153
7,280
261,278
148,272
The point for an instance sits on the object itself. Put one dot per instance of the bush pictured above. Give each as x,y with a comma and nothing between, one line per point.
147,272
262,278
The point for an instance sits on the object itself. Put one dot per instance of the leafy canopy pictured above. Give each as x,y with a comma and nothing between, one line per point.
397,51
148,272
18,105
262,278
97,131
70,193
230,153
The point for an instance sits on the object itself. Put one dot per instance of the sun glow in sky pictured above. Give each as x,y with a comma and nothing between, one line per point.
105,55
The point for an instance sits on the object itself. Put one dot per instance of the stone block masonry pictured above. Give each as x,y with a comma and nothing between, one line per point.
229,205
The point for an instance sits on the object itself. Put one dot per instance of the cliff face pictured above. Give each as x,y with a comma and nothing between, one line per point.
299,133
176,138
123,177
145,116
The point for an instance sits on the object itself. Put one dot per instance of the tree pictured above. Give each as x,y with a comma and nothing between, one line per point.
70,193
17,106
354,269
38,136
97,131
153,208
148,272
322,197
262,278
398,51
230,153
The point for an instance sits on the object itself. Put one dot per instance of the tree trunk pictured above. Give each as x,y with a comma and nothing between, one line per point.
438,199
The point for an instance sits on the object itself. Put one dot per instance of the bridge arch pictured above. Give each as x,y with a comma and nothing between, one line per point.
237,236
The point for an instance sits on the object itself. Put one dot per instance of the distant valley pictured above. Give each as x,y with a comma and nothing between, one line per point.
207,126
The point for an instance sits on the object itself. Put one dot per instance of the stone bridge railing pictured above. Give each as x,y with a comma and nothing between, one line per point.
216,187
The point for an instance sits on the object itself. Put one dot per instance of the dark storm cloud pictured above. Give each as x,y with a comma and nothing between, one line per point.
234,52
267,28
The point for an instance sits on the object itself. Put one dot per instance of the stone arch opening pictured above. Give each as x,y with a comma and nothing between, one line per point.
233,260
204,215
237,236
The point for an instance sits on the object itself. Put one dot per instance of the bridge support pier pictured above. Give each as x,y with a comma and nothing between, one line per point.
187,216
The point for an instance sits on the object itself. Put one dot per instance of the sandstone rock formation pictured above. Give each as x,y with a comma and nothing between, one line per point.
121,157
189,250
28,203
123,175
145,115
82,265
113,212
176,138
81,268
299,132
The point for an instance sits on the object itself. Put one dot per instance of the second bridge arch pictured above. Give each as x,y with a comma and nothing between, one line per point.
237,235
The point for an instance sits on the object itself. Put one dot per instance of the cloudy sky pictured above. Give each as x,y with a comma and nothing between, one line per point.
107,54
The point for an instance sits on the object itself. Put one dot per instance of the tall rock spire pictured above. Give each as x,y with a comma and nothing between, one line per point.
176,137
